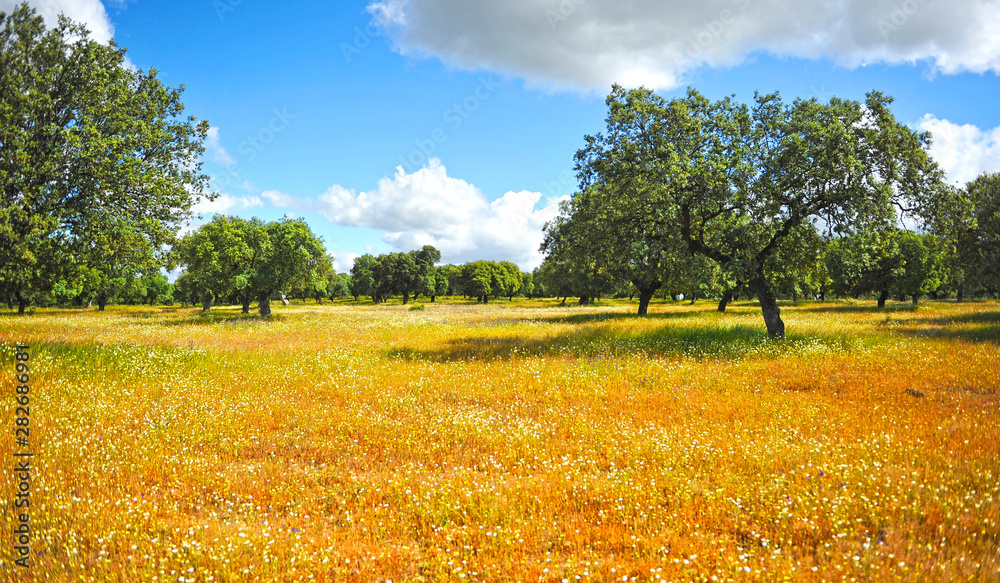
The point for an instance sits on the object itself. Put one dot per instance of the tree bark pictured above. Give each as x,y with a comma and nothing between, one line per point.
264,305
583,300
961,293
246,305
727,297
22,303
769,308
206,304
101,302
406,297
432,299
882,297
319,298
916,299
694,298
644,297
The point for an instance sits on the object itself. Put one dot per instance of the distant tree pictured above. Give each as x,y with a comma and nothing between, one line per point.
294,259
865,263
923,265
478,280
507,279
362,280
157,288
442,285
972,226
425,281
527,285
338,286
223,256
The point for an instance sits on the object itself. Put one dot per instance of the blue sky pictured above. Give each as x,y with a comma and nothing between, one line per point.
393,124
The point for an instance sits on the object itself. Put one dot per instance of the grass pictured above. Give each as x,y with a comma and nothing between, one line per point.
510,442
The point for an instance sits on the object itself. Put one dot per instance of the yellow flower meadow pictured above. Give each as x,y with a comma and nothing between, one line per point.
511,442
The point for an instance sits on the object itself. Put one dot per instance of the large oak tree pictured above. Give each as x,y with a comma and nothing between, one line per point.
733,182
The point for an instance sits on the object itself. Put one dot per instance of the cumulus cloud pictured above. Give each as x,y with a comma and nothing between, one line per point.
963,151
343,261
428,207
88,12
226,203
214,146
589,44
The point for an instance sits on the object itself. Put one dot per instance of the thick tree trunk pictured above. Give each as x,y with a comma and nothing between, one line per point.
264,305
206,304
769,308
246,305
432,299
101,302
319,298
961,293
694,298
916,299
22,303
406,297
882,297
644,297
583,300
727,297
822,296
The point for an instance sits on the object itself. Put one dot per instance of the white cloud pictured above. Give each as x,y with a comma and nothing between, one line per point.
343,261
88,12
225,203
590,44
428,207
963,151
280,199
214,146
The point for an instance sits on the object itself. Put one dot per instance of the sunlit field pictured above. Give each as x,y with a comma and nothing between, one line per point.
509,442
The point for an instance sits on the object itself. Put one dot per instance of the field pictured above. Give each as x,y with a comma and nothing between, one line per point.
510,442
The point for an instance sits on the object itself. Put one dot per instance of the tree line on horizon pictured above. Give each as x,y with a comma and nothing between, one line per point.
100,168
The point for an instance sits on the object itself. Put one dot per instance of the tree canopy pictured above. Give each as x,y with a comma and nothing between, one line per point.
733,182
92,154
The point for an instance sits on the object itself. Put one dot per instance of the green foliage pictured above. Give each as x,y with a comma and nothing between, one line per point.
251,260
735,183
362,279
98,167
338,286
